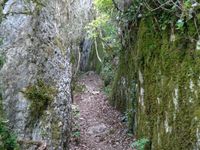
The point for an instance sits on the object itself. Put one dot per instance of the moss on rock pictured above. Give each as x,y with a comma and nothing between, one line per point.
166,75
41,95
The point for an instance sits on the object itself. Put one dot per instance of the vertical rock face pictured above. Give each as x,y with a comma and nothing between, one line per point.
158,84
80,13
34,47
38,38
86,47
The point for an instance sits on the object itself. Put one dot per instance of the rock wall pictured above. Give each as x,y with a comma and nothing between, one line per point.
86,50
37,42
80,13
157,84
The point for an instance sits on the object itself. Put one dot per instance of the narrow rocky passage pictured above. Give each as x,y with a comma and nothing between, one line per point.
96,125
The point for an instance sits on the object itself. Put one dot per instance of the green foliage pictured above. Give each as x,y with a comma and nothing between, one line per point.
41,95
8,141
103,26
104,5
130,14
104,30
140,144
107,89
108,72
165,66
180,24
96,26
164,13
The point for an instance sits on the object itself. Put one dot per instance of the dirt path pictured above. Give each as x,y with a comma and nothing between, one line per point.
97,126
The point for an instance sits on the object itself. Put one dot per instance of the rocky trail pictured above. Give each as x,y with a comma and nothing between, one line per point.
96,125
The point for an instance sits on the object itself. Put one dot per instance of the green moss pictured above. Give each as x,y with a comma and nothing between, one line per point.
58,41
72,58
41,95
166,66
8,140
123,94
56,133
118,98
55,130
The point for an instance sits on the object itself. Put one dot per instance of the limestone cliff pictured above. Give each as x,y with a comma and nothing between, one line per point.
80,13
37,39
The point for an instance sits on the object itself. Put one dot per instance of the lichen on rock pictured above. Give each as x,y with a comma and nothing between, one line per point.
31,54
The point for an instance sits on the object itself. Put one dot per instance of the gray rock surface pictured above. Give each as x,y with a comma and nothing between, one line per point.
38,38
97,129
80,13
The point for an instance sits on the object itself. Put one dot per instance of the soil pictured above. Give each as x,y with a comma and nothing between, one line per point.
96,124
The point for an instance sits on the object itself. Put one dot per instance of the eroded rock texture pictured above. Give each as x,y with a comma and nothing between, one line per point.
80,13
38,38
157,85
